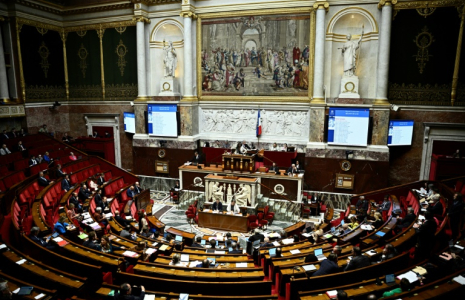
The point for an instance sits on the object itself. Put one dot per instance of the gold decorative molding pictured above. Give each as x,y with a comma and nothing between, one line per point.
44,54
256,12
42,31
321,5
81,33
426,4
423,94
121,91
63,36
11,110
64,10
21,70
426,11
423,41
155,2
455,77
81,30
121,29
44,93
100,33
188,14
85,92
42,26
121,51
311,55
83,53
141,19
386,2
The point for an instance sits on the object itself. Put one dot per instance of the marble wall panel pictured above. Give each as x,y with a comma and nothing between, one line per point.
317,124
57,120
380,127
405,161
140,118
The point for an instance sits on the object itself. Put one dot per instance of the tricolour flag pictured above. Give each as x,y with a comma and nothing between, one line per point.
259,125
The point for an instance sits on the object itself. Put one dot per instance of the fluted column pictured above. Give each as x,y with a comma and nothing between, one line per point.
188,85
141,71
4,94
383,51
319,65
455,77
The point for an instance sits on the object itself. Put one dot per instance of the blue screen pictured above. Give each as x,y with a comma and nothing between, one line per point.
162,120
400,132
348,126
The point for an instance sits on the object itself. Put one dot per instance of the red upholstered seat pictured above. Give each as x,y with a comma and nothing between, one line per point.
269,216
252,222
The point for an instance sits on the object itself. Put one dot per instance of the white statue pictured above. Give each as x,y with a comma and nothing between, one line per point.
170,60
217,192
243,195
349,52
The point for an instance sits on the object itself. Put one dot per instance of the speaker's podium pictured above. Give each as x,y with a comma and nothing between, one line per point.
237,163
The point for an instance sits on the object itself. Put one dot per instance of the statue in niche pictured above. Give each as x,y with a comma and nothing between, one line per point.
349,52
217,192
170,60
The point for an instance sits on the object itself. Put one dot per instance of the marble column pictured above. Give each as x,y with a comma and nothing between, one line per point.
318,81
4,95
141,71
383,52
188,93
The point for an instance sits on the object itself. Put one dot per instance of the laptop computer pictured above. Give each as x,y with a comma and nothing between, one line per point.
202,242
25,290
272,252
333,229
454,249
319,254
342,222
390,279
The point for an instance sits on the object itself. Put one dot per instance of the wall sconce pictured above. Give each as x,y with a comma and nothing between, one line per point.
349,154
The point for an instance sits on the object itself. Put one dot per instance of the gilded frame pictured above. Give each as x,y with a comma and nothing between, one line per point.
200,17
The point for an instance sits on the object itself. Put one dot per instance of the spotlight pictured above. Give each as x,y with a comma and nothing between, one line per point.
394,107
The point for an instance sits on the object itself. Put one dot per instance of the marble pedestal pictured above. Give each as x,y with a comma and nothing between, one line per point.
169,86
349,87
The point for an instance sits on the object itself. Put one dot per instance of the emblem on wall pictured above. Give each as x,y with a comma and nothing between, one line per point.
423,41
198,182
279,189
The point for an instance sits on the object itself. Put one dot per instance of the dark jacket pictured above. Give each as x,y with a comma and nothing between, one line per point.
65,184
257,236
129,297
196,245
42,181
84,194
409,218
436,208
327,267
358,262
217,207
90,244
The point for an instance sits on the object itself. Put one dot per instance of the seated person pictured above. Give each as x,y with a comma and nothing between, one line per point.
146,233
72,156
217,205
232,207
101,179
66,184
126,293
378,222
435,206
98,217
292,170
284,148
358,260
33,161
197,243
107,135
257,236
345,228
47,158
107,246
130,192
74,200
274,147
34,236
204,264
353,223
328,266
386,205
236,248
84,193
61,225
217,144
266,243
176,260
42,181
388,252
20,147
404,287
92,241
128,233
66,138
4,150
71,213
212,243
433,193
274,169
408,219
60,172
296,238
122,221
177,187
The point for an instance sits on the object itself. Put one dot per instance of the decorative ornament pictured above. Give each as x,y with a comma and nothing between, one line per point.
44,53
42,31
82,53
120,29
81,33
279,189
161,153
121,51
426,11
423,41
346,165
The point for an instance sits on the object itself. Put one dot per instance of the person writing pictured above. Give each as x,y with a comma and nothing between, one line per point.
244,148
217,206
328,266
232,207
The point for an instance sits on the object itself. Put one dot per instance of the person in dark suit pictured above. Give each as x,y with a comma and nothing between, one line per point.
408,219
177,187
84,193
130,192
95,135
425,236
362,204
75,200
328,266
197,243
257,236
358,260
311,258
197,159
274,169
33,161
100,179
217,205
386,205
298,166
236,249
122,221
455,211
266,243
292,170
137,188
42,181
66,184
107,135
60,172
91,241
98,199
435,206
20,147
35,237
66,138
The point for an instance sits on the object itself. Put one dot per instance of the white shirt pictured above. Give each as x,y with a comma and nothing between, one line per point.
273,148
235,208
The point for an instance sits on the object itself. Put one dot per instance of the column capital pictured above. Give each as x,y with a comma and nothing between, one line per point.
321,5
382,3
141,19
188,14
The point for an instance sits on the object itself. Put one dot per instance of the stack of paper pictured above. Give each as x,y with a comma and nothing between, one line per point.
150,297
276,243
220,252
95,226
371,252
82,236
241,265
459,279
150,250
295,251
411,276
332,294
287,241
129,253
309,268
420,271
306,235
20,262
163,247
108,215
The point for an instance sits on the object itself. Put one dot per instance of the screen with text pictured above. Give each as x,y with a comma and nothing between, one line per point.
400,132
348,126
162,120
129,122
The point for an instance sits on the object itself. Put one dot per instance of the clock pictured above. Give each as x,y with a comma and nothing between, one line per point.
161,153
346,165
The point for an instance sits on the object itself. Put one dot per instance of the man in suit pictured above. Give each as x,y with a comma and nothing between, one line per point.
425,236
128,233
408,219
130,192
266,243
4,150
42,181
65,183
84,193
39,158
298,166
292,170
35,237
217,205
91,242
126,293
455,211
60,172
20,147
75,200
99,200
328,266
137,188
197,159
33,161
13,133
275,169
197,243
435,206
122,221
95,135
257,236
232,207
386,205
236,249
100,179
66,138
177,187
358,260
362,204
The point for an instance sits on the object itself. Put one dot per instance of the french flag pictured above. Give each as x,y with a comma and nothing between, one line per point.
259,125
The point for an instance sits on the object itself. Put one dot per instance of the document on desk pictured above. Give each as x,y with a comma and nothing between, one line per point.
183,296
366,227
241,265
129,253
305,234
20,262
309,268
276,243
459,279
411,276
150,250
295,251
2,246
287,241
220,252
149,297
371,252
163,247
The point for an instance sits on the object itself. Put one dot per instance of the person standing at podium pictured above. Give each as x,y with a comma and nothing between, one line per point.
232,207
197,159
217,205
244,147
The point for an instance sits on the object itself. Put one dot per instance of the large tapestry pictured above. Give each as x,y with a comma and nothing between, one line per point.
265,55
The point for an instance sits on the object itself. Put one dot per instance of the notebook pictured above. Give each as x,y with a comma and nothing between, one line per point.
185,257
309,268
319,254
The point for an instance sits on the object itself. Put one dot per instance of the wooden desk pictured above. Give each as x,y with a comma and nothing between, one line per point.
153,221
223,221
188,237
